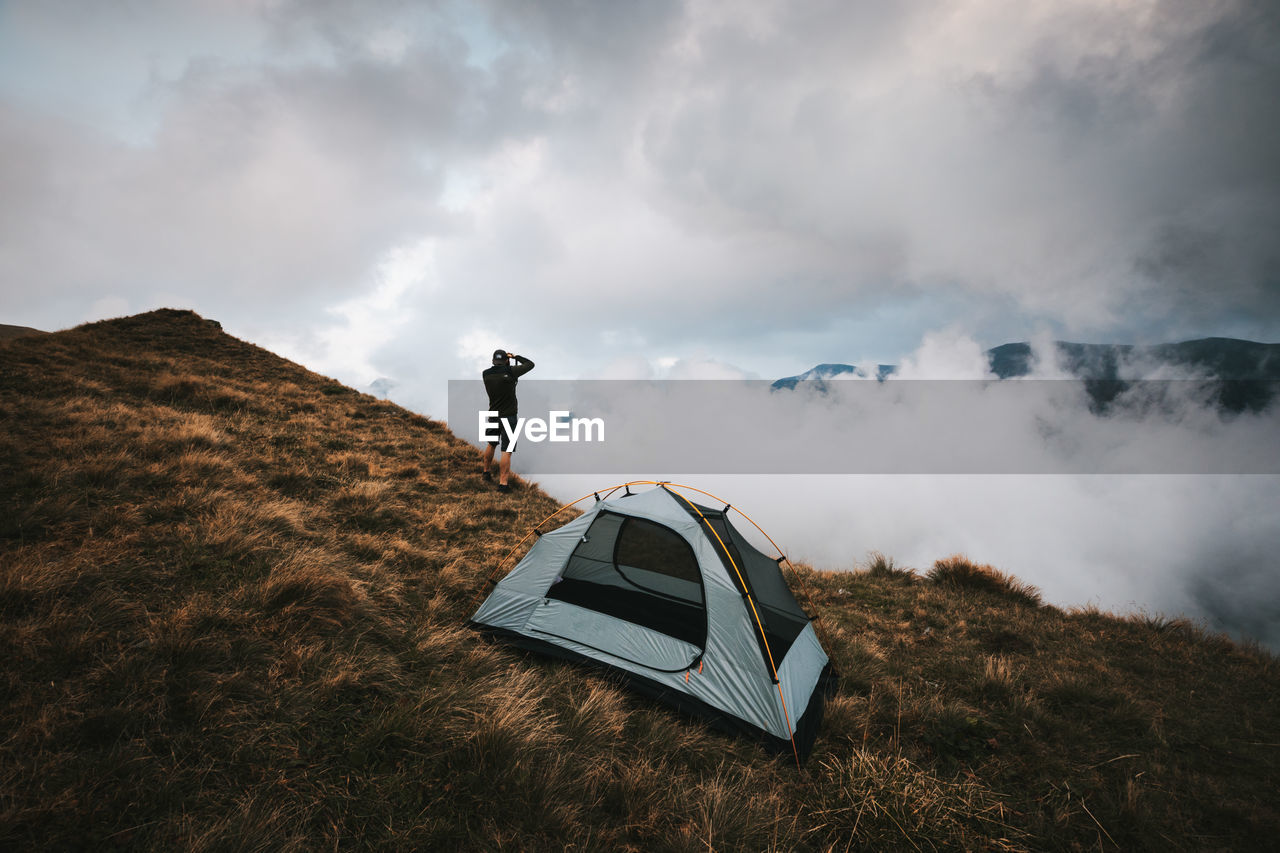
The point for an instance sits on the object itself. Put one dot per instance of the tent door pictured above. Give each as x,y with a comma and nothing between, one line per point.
639,572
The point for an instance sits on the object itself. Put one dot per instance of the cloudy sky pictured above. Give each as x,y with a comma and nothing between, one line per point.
712,188
394,186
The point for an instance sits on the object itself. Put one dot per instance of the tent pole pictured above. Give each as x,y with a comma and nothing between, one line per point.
786,716
804,590
536,527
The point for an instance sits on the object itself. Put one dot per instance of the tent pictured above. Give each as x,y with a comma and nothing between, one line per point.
670,595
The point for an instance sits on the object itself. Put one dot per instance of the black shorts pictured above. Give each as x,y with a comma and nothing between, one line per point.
503,441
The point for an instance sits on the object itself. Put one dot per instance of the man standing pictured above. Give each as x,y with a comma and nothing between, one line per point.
500,381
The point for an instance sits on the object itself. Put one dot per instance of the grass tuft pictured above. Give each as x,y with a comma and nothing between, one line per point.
888,803
880,566
958,572
312,586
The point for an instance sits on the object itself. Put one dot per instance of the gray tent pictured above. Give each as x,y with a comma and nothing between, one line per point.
669,594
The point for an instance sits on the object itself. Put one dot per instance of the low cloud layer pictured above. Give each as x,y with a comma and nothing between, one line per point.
1196,545
899,426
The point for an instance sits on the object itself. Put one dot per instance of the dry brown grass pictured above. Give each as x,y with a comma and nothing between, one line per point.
880,565
231,604
958,572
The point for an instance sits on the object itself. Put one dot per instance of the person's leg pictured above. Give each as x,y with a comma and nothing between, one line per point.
487,460
504,447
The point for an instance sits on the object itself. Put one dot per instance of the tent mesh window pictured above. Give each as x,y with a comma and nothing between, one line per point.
780,614
638,571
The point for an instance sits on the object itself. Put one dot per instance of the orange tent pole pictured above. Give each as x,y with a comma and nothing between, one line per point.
795,574
755,613
532,530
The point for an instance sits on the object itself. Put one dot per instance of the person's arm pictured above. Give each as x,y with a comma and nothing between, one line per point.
522,365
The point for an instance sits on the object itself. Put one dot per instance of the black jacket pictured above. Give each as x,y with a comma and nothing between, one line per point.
500,382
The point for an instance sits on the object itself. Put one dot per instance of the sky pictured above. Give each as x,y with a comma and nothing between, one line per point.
390,190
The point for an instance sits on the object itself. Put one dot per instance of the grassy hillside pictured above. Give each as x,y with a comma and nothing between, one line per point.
7,332
232,596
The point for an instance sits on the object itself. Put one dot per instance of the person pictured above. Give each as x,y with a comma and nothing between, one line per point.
500,382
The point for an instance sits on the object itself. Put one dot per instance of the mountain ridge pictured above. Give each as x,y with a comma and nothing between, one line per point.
1244,375
1229,359
8,332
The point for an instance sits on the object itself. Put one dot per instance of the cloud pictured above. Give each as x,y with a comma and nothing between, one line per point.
948,354
757,177
243,198
773,171
1158,540
265,189
1181,546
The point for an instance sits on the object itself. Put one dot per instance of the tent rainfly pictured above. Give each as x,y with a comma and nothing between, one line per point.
667,593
